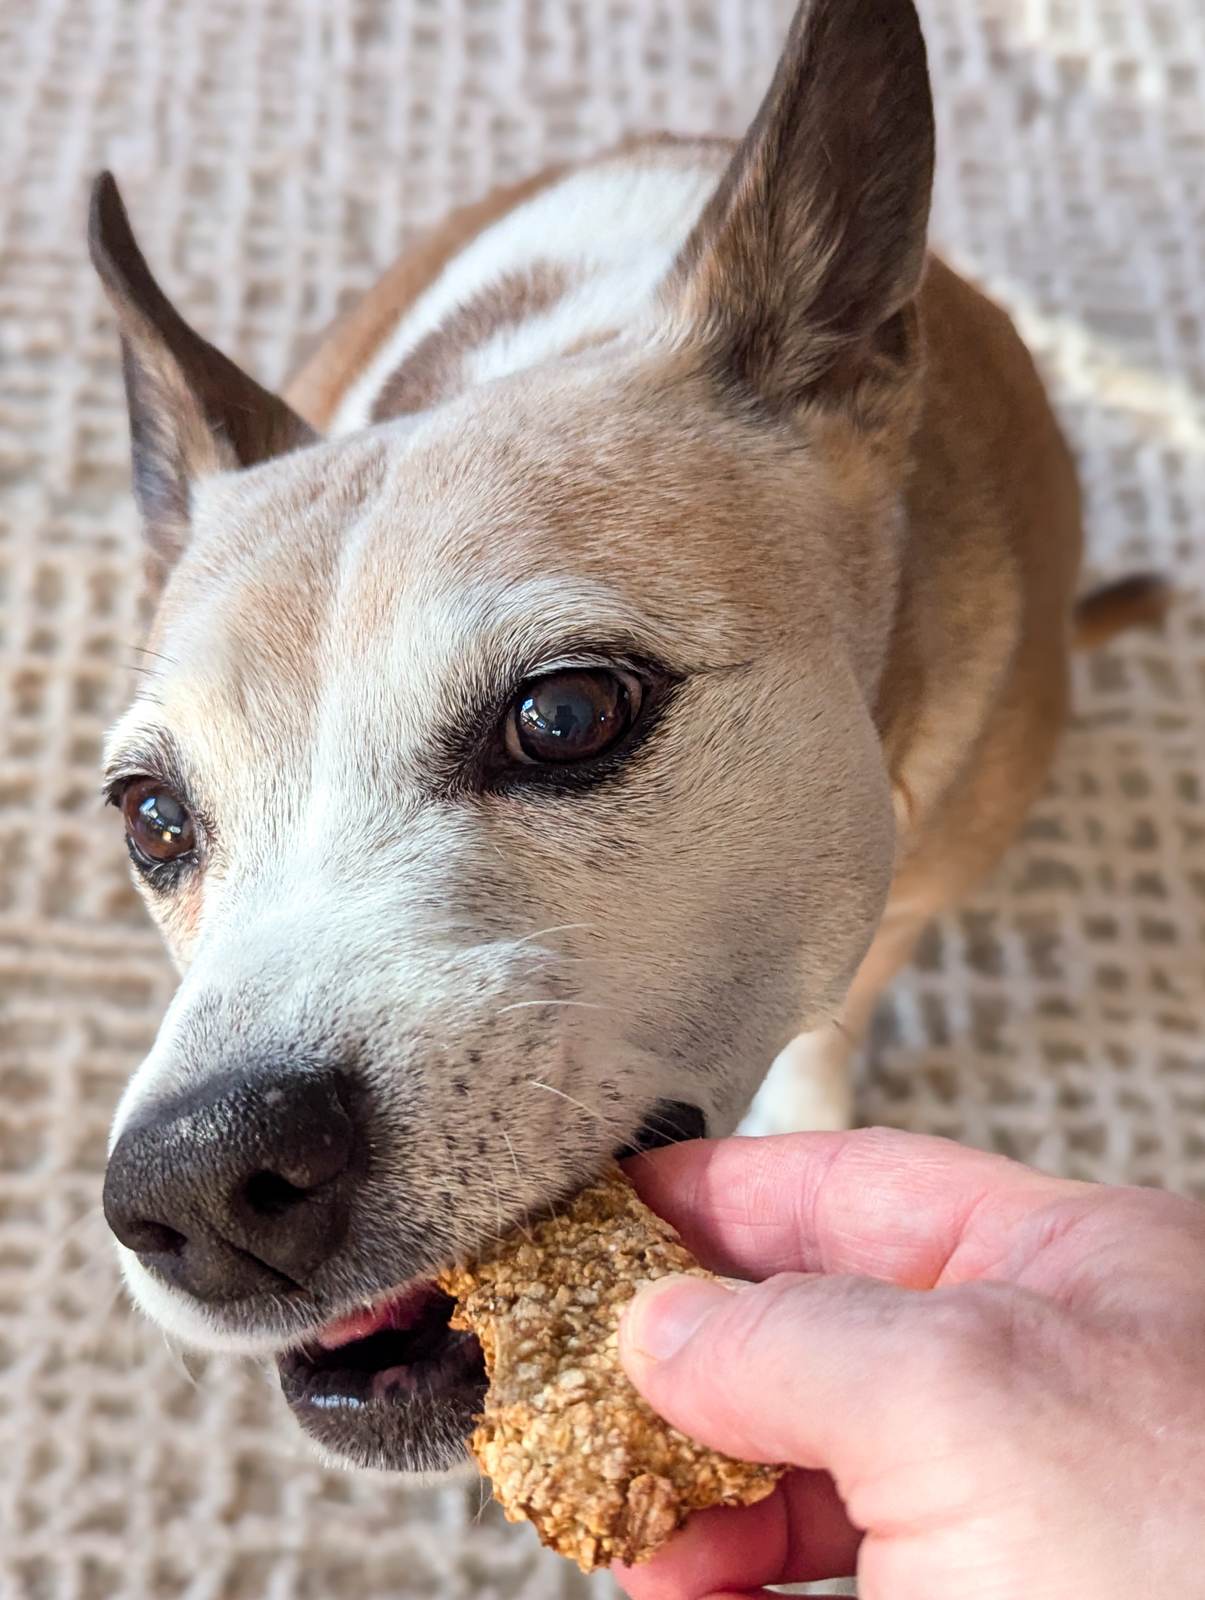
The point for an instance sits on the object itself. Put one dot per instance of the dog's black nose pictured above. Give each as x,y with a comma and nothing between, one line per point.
239,1189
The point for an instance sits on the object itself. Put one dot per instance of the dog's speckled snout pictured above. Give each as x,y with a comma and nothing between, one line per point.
240,1190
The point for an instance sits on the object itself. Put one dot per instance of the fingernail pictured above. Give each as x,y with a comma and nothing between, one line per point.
666,1314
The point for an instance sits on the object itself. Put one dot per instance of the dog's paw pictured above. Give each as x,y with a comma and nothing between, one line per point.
807,1089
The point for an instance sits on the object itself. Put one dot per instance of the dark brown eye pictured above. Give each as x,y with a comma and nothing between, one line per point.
571,715
158,824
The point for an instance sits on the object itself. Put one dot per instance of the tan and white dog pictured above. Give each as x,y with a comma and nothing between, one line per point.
644,612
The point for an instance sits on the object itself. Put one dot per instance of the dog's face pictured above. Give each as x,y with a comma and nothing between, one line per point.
505,782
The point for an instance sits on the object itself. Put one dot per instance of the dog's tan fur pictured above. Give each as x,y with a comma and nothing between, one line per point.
974,690
344,351
814,473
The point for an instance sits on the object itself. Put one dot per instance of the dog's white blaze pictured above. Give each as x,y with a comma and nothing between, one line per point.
617,226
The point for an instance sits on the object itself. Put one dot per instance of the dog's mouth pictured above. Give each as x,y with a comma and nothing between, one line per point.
392,1385
400,1345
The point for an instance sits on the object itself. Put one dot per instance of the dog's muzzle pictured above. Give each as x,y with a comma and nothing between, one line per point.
239,1197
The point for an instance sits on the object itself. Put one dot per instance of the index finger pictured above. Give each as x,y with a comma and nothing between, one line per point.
913,1210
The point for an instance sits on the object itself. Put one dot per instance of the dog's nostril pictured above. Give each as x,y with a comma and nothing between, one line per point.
239,1188
269,1195
155,1238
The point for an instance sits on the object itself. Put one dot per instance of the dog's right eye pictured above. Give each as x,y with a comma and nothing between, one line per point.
159,825
571,716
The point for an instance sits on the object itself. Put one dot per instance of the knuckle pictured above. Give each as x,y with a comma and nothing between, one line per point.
970,1323
765,1322
1159,1208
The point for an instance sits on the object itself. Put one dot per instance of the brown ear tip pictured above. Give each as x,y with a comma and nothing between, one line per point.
100,205
105,197
111,242
108,222
893,27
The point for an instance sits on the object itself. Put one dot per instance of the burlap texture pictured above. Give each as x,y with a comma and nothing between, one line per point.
275,153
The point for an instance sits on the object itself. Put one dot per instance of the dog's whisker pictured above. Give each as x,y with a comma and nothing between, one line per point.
613,1125
483,1500
499,1230
659,1119
554,958
179,1359
522,1005
676,1133
599,1116
561,927
518,1180
563,959
145,650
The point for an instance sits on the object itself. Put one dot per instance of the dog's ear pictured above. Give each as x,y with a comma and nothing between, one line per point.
192,411
799,276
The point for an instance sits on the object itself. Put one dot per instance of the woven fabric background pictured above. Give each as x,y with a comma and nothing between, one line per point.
275,153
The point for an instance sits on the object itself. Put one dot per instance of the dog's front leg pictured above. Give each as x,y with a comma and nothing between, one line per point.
809,1085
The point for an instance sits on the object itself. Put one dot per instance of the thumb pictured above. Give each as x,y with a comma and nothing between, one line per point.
819,1372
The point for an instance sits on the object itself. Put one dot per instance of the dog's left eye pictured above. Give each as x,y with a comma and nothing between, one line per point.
158,824
572,715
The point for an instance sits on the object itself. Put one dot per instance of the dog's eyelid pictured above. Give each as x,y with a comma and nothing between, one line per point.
579,661
640,666
674,671
582,650
624,654
118,776
148,753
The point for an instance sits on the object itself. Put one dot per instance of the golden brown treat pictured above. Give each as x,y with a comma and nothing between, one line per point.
568,1442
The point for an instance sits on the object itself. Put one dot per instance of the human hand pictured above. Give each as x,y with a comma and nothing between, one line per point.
1032,1428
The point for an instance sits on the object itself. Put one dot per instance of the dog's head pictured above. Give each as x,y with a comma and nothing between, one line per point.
505,780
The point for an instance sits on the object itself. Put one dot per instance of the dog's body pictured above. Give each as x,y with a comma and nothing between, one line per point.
644,612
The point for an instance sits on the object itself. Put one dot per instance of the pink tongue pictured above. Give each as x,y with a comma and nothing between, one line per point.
400,1311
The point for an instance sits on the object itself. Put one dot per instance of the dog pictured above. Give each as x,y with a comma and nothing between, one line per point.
645,611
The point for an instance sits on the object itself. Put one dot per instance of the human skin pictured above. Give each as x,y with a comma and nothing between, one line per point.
991,1382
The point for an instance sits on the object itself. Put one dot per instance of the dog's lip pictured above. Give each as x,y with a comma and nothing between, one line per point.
398,1309
382,1354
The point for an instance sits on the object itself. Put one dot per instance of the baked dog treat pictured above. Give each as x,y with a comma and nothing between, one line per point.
568,1442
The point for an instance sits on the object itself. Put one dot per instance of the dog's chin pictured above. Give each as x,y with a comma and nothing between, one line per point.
392,1386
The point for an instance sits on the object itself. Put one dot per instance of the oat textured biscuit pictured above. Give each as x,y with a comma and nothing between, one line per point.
568,1442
